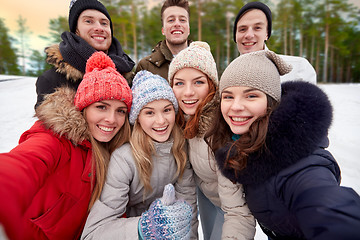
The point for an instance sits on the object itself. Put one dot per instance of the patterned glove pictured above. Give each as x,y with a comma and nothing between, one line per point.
167,218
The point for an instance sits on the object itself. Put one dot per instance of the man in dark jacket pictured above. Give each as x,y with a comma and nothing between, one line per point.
90,31
176,29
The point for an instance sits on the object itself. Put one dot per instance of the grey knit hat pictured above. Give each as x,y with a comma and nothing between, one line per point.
197,56
148,87
260,70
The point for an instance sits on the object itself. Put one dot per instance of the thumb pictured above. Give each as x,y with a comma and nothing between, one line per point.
168,197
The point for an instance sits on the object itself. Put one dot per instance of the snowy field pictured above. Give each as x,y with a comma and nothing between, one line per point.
18,97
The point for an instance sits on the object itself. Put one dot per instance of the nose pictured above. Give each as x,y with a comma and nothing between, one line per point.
238,105
177,22
249,33
110,117
189,90
99,26
160,119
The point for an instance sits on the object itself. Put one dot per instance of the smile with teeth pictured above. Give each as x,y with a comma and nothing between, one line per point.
249,44
160,129
177,32
99,38
106,129
240,119
190,101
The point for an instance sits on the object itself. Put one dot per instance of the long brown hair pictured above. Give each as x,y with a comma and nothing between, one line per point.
143,148
191,126
220,134
101,153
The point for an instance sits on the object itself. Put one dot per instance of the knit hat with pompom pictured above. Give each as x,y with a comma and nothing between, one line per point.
102,82
197,56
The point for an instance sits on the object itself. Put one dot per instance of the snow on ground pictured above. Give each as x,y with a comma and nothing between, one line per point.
18,97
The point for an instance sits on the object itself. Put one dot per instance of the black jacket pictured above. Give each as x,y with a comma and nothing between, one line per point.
293,189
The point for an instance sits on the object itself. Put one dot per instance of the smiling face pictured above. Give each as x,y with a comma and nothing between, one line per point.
176,28
191,88
157,119
251,32
241,106
105,118
94,27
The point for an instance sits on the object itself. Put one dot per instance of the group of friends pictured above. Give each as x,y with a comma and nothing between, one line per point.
123,154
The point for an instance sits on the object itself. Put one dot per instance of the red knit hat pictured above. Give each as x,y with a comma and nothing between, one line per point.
102,82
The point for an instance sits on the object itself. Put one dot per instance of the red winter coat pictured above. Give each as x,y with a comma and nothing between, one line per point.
45,182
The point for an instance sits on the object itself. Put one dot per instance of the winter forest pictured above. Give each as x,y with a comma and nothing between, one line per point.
326,32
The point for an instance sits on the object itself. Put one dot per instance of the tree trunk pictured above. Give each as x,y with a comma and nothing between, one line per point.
199,20
133,24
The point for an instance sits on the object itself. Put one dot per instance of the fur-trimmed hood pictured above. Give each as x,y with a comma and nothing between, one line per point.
58,113
207,115
55,58
297,128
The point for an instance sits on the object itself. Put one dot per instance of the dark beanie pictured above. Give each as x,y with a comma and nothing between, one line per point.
254,5
78,6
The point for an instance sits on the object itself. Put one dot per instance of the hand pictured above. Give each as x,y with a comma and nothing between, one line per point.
167,218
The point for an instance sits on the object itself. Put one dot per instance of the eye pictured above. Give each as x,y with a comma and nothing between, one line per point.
252,95
199,82
101,107
168,109
241,29
122,111
178,84
149,112
227,96
88,21
105,23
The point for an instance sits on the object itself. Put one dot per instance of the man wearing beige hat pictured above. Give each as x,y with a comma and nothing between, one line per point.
252,28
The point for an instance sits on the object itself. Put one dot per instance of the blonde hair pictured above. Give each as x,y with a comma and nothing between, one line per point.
143,148
101,153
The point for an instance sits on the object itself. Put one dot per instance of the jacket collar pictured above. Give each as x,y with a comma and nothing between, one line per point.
59,114
55,58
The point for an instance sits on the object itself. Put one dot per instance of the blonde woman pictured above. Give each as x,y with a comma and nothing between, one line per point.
58,169
139,171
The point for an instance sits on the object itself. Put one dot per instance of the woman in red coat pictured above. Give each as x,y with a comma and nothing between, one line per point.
51,179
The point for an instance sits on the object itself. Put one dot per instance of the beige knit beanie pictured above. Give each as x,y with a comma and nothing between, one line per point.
197,56
260,70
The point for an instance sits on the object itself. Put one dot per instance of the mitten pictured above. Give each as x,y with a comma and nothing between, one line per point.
167,218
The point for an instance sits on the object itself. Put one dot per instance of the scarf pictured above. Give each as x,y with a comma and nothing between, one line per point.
76,51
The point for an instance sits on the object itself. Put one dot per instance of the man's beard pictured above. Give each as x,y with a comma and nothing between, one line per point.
176,42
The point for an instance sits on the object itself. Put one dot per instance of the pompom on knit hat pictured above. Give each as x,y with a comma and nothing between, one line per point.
78,6
148,87
102,82
260,70
197,56
254,5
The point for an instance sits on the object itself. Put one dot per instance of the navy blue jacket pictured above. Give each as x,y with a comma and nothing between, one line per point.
293,189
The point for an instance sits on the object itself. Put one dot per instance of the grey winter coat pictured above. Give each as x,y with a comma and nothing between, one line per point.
123,193
239,223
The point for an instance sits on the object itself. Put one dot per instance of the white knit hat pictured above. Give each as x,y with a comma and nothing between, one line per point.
148,87
197,56
260,70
